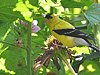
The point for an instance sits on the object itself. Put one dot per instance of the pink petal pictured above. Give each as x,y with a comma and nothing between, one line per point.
35,29
21,23
24,23
43,14
34,22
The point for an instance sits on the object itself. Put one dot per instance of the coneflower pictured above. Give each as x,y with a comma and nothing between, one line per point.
53,50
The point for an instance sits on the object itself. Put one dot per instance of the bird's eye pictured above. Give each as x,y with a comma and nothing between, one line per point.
48,16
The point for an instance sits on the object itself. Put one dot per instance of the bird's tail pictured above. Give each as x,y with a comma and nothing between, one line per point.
94,47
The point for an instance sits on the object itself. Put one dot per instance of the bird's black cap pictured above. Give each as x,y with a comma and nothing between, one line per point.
48,16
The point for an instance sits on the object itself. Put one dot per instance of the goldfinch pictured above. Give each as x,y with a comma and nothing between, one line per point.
66,33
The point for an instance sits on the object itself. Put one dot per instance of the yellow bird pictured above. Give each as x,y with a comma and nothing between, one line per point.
66,33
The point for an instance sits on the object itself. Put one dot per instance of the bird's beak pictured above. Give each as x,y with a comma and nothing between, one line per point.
45,20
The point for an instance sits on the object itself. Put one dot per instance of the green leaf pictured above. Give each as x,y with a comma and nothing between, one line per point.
54,1
71,4
11,15
7,12
14,60
4,73
87,2
7,36
8,2
21,71
93,14
90,68
96,31
62,70
85,57
3,36
3,31
41,10
4,21
34,2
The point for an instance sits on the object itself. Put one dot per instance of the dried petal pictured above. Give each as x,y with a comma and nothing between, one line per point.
51,73
53,47
70,56
37,66
40,61
19,42
47,63
38,58
20,64
55,61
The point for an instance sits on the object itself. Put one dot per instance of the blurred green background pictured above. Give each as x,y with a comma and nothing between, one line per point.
80,13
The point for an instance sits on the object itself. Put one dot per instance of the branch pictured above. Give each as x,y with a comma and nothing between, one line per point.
12,44
81,27
38,43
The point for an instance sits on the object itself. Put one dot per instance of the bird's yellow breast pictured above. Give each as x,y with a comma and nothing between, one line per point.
65,40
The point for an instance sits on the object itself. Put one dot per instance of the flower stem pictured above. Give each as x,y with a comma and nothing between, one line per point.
68,64
29,72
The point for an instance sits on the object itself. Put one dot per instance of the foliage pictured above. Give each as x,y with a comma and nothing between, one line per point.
13,52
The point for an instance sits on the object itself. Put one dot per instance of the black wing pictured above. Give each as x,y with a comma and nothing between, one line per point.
73,33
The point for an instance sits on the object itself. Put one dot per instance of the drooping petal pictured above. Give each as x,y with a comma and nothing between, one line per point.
37,65
35,28
39,61
47,62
